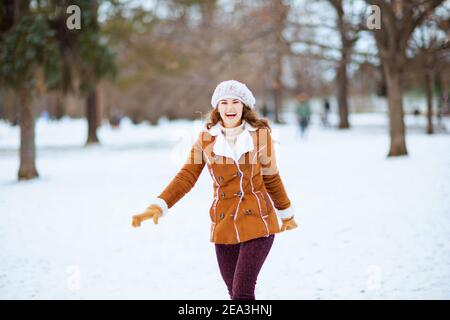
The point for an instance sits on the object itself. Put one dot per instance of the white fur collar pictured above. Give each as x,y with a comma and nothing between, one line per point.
244,142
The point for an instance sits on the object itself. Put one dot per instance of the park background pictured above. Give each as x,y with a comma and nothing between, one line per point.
96,118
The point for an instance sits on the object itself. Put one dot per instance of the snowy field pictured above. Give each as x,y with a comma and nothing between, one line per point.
369,227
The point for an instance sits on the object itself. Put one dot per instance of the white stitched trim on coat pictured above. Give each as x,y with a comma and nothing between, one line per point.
256,196
239,203
285,213
216,198
160,202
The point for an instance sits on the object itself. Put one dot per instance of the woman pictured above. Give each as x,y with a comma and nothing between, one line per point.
237,148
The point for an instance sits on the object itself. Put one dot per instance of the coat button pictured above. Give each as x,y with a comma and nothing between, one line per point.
222,215
223,194
238,174
220,178
239,193
248,211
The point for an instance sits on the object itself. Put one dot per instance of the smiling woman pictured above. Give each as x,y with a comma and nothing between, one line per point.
249,195
231,112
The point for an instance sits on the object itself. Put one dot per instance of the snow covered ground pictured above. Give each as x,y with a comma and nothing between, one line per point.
369,227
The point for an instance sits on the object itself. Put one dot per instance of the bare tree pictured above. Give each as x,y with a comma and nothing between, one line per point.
399,19
429,46
278,13
348,36
27,168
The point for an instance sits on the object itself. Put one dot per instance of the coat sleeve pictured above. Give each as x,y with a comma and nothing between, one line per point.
186,178
271,176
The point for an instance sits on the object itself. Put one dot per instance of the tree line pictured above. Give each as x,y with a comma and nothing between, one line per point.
163,58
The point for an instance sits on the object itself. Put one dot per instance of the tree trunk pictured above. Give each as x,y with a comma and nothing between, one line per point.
342,86
277,85
207,10
27,168
91,115
429,92
279,11
60,107
395,101
341,73
276,90
439,79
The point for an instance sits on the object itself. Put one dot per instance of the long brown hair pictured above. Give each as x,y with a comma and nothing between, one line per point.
248,115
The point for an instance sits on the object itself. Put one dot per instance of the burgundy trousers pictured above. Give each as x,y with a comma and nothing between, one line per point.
240,264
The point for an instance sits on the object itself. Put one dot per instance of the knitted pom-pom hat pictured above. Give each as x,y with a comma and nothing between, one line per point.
233,89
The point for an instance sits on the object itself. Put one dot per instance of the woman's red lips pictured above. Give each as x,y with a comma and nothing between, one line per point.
230,114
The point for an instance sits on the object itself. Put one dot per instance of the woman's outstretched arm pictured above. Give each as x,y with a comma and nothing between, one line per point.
271,176
181,184
186,178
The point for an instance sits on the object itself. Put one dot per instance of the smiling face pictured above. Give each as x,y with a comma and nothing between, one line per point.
231,112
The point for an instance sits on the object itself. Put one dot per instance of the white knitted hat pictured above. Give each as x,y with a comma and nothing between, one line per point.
232,89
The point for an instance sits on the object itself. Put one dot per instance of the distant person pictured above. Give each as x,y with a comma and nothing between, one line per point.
45,115
326,112
443,108
15,121
303,111
115,119
265,110
445,104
